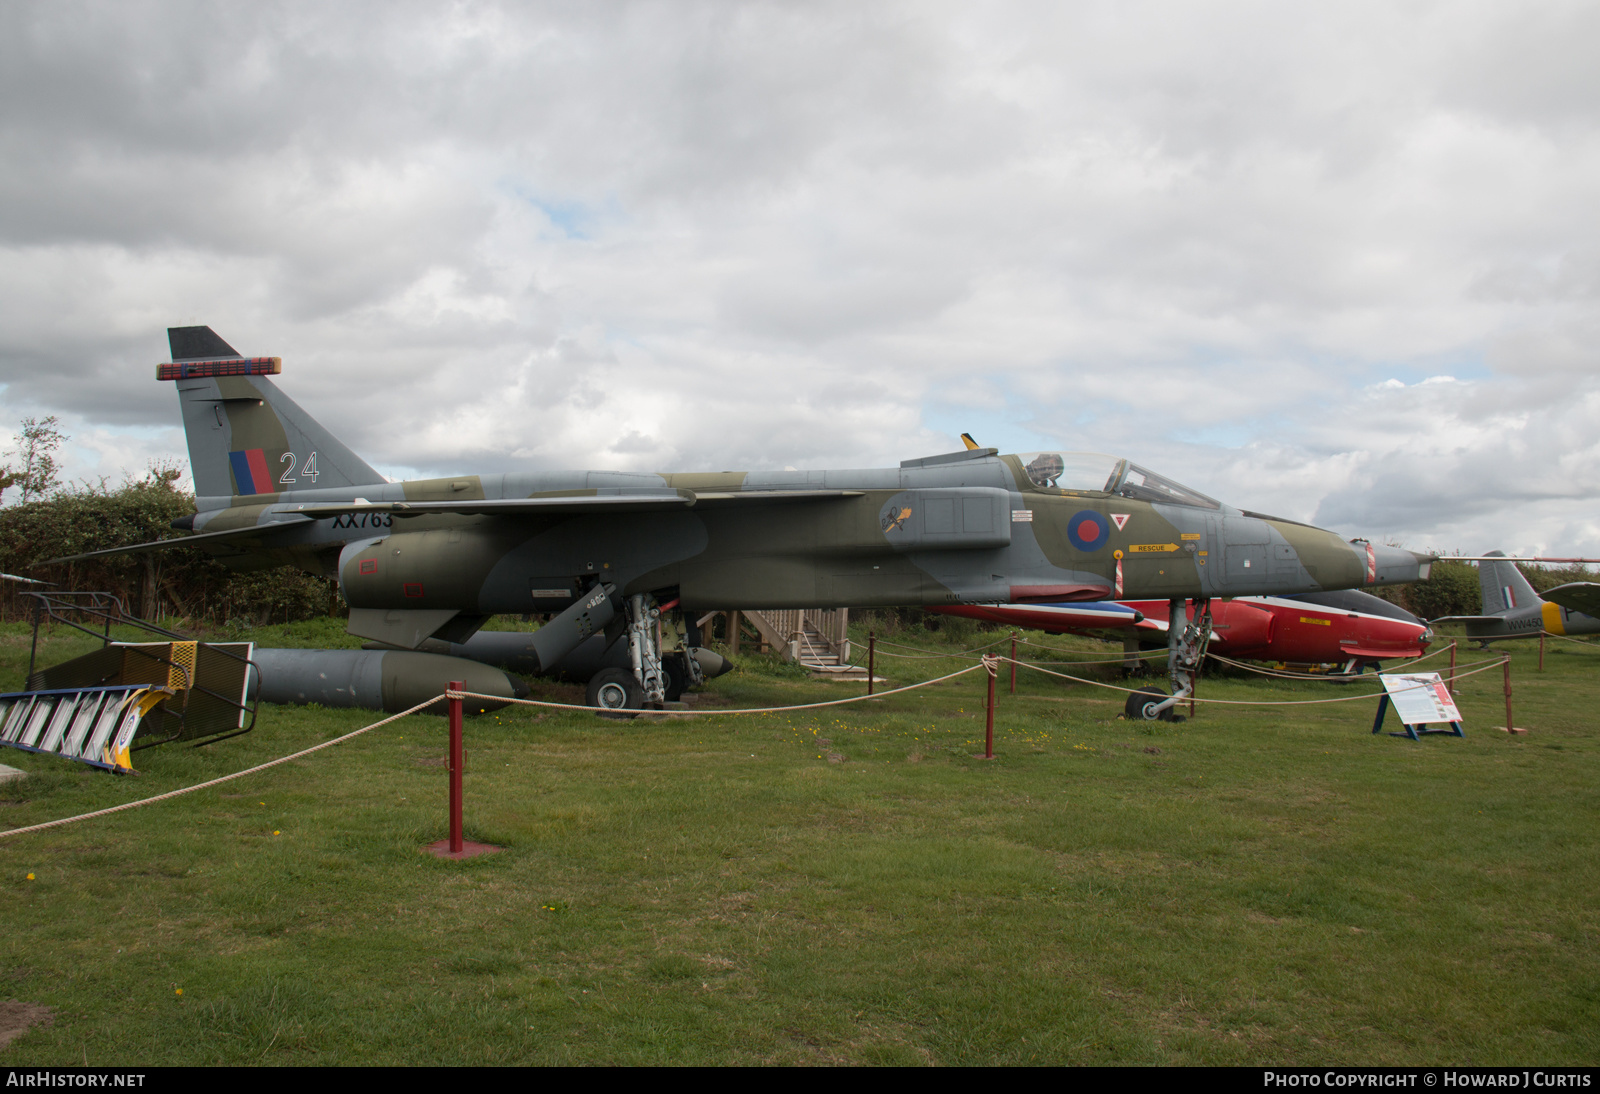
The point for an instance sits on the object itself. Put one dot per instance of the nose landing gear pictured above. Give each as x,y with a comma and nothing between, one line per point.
1186,649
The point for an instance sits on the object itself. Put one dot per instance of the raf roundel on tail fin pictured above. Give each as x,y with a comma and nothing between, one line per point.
245,436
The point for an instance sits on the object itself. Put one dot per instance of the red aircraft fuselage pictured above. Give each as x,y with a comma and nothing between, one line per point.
1320,628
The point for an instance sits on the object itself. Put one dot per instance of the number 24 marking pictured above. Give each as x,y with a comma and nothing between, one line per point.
307,471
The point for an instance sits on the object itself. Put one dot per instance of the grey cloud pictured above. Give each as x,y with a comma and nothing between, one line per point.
710,235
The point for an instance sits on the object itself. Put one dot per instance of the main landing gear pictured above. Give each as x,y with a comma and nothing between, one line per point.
1186,649
654,679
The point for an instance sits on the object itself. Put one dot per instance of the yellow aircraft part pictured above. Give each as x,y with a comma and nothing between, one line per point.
118,750
1552,618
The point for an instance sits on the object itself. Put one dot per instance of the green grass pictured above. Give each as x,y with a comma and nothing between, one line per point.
848,885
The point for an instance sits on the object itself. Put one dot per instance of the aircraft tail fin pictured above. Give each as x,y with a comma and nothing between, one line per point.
245,436
1504,587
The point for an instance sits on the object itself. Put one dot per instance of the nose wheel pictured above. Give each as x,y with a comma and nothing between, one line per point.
1148,705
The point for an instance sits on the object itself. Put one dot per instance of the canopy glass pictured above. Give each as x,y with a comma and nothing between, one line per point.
1098,473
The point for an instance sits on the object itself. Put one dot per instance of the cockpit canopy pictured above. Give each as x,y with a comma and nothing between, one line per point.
1095,472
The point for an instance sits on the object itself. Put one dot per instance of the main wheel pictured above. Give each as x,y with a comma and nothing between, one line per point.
675,675
1141,706
616,690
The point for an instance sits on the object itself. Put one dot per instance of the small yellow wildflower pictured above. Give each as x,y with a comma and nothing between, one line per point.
30,877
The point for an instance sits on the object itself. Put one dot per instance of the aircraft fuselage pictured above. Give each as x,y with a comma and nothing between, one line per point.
971,527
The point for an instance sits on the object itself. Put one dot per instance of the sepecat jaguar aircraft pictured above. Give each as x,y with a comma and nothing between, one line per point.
612,550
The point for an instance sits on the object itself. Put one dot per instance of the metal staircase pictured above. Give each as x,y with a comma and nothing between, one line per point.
95,726
91,708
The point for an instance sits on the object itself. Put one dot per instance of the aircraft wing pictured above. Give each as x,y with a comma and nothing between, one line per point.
1577,596
1467,619
567,506
303,515
241,534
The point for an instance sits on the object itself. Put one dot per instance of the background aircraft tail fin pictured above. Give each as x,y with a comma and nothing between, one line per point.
1504,587
245,436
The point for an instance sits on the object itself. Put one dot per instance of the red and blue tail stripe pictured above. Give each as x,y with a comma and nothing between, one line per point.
250,471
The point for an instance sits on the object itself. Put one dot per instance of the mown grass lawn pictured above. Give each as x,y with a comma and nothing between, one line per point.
850,885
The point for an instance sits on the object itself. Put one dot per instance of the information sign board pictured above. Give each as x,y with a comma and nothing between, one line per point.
1420,699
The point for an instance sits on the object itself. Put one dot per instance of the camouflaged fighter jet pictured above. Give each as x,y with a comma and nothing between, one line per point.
611,550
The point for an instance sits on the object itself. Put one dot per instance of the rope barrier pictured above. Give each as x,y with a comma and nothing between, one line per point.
1440,652
1057,649
709,713
1574,641
921,656
1281,674
930,656
948,656
1485,667
1110,658
1277,674
225,778
990,663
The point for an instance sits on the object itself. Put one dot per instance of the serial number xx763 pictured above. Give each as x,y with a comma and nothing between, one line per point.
363,520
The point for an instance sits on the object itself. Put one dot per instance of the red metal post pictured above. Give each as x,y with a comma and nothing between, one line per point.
988,729
872,657
456,844
1013,662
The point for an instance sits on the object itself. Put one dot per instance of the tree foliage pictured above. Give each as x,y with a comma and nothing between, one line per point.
1451,589
37,473
175,582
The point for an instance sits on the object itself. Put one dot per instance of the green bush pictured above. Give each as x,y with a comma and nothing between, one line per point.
156,584
1451,589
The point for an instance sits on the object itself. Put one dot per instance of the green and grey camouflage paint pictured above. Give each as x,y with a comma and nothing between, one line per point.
434,558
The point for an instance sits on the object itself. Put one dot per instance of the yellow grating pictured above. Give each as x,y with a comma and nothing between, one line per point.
183,654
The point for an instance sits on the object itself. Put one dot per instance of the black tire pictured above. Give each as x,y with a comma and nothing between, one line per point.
616,692
1140,704
674,676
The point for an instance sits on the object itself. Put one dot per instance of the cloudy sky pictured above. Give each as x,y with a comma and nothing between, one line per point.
1337,262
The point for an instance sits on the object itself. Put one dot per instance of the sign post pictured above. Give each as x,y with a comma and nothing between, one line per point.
1505,665
1419,699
